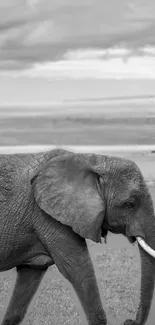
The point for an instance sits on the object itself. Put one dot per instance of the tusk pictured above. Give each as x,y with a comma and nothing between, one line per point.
145,246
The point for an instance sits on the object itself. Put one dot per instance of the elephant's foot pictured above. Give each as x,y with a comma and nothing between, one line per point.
12,320
98,319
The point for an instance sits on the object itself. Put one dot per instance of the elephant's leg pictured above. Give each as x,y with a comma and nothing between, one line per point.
70,254
76,266
27,282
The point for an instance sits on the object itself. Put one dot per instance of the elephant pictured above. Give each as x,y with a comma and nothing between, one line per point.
51,202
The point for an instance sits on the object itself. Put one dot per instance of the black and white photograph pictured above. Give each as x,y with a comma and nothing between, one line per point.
77,162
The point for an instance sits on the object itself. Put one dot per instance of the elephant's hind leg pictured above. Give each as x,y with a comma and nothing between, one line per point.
27,282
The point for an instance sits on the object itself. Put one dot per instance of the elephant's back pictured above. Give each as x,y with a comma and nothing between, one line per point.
16,172
14,180
33,162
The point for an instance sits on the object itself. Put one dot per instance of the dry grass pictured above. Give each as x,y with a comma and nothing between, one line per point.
120,276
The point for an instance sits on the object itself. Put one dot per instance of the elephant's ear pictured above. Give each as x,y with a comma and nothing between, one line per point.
67,189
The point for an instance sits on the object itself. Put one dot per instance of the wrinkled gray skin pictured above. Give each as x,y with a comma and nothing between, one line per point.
50,203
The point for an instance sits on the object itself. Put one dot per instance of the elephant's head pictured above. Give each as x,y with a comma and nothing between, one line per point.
95,194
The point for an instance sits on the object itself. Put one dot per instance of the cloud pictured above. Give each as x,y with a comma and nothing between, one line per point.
36,31
115,68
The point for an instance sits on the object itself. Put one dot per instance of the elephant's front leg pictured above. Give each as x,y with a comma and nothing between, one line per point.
70,253
76,266
28,280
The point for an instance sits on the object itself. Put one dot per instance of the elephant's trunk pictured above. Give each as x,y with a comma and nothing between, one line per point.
147,253
147,286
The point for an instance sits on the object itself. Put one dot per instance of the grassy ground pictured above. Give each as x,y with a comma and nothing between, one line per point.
120,280
119,275
119,267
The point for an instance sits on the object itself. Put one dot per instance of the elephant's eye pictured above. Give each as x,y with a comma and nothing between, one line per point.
130,204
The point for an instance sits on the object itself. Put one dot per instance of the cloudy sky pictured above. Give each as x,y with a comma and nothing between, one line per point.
73,38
